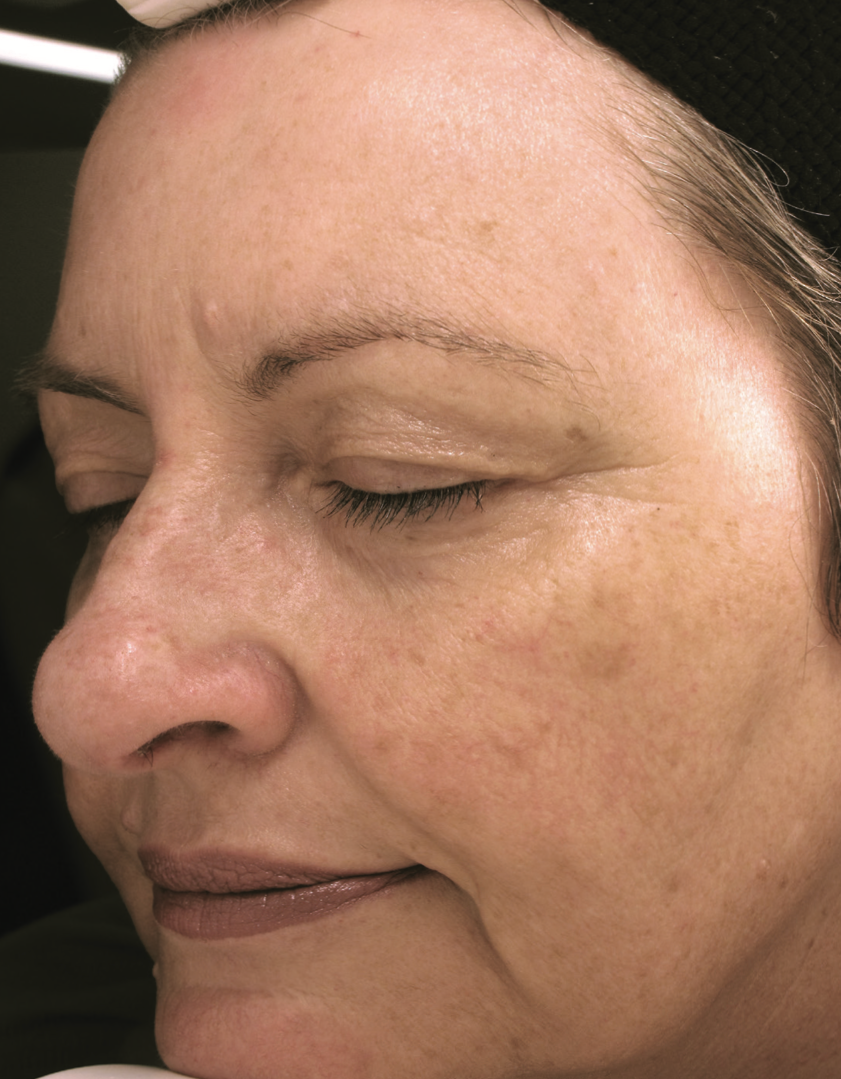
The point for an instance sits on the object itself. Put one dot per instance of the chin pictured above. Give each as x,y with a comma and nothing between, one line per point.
222,1034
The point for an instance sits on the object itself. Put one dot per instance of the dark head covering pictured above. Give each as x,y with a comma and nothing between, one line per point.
765,71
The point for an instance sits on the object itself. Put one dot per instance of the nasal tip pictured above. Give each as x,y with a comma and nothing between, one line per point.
115,697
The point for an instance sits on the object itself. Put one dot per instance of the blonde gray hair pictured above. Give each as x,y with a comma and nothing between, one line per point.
716,193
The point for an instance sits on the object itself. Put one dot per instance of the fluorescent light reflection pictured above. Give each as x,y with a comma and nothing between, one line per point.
59,57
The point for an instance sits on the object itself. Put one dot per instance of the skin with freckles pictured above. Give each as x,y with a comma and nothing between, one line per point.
461,522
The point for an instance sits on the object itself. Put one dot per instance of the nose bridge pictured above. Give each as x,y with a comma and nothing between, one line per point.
183,544
173,635
182,568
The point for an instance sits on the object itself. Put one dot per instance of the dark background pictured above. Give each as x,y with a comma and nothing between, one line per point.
45,122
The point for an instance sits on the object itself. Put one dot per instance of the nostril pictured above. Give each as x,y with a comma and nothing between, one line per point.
114,688
207,728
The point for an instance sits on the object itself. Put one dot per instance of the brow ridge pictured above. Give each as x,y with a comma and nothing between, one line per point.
338,337
46,371
333,338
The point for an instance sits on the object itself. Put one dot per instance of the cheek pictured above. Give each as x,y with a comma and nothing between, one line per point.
93,804
601,699
594,757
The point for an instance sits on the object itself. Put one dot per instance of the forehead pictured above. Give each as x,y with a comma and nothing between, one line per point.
350,161
442,156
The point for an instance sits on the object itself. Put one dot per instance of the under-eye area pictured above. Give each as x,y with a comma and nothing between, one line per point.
378,509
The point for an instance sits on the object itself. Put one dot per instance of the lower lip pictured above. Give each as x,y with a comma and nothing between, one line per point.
211,916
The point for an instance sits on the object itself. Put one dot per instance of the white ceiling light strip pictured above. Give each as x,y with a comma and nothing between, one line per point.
59,57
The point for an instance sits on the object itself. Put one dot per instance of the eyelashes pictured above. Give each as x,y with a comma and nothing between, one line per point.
357,507
379,510
107,518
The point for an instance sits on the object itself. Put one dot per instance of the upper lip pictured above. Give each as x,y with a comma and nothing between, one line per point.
224,872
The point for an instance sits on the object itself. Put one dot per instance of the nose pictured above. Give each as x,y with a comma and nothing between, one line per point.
170,646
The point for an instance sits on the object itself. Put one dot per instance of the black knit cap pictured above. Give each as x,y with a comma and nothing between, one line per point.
765,71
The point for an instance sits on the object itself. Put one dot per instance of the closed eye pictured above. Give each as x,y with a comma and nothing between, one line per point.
107,518
378,509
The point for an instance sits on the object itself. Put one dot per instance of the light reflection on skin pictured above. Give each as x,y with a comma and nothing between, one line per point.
601,708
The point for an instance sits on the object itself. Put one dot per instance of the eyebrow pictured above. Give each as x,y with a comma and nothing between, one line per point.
342,335
47,372
328,341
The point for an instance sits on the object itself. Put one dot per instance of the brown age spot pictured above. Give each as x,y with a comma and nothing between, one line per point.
576,434
607,662
484,230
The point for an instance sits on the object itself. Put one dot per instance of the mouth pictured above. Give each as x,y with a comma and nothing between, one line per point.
214,896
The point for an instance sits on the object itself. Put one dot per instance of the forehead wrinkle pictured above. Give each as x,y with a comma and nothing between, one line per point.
338,336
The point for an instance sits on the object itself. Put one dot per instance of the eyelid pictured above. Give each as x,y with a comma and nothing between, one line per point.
84,491
384,476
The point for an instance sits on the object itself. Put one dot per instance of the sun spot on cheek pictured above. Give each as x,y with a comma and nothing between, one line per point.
607,661
485,230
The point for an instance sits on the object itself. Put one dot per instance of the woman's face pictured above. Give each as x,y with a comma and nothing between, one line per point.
466,529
